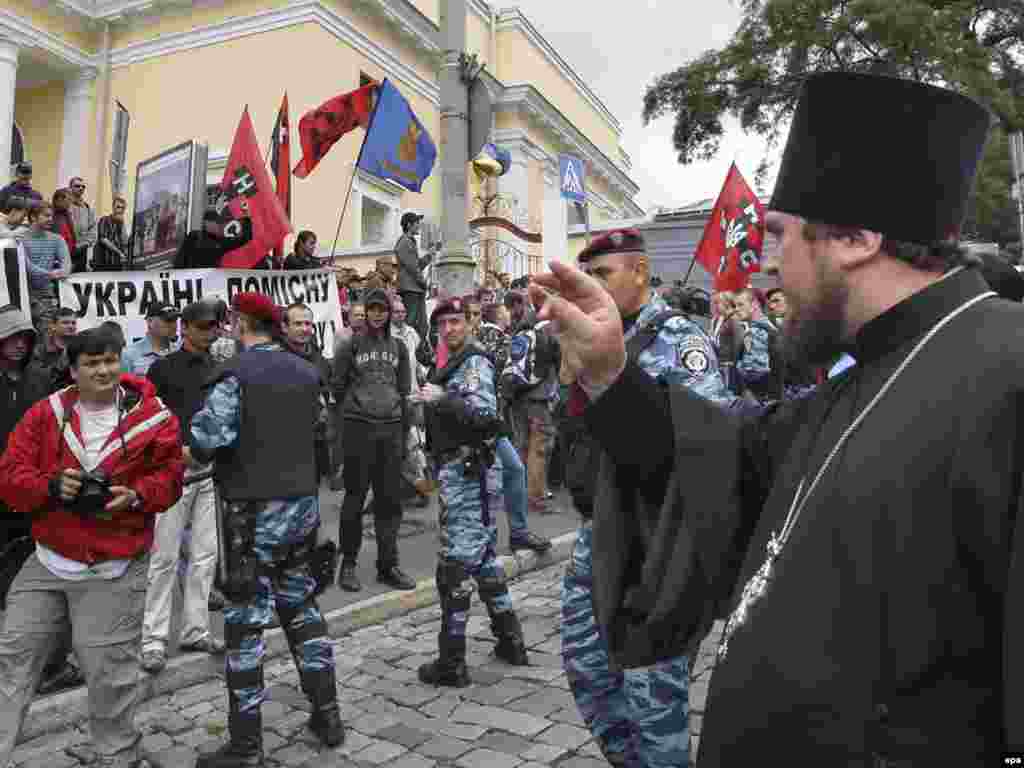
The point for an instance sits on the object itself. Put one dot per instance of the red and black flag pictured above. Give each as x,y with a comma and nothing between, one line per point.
320,128
246,193
280,166
733,239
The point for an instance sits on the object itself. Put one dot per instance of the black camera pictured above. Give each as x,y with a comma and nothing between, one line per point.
94,495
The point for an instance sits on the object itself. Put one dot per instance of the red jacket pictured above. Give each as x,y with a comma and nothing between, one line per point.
152,466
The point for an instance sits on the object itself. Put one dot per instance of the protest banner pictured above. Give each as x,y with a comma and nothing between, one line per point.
125,296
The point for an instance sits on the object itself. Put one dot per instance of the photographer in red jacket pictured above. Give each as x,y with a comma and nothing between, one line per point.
93,464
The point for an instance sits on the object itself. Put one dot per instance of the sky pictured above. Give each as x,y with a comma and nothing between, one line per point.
619,62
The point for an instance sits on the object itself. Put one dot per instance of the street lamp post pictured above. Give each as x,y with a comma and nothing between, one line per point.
455,269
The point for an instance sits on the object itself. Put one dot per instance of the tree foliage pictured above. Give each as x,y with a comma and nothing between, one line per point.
975,47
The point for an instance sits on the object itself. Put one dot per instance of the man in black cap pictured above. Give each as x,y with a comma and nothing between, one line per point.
20,189
859,542
179,378
204,248
411,285
161,331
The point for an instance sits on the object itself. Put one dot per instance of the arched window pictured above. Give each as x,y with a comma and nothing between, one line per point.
17,145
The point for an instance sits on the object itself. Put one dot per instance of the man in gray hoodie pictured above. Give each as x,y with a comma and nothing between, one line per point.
372,379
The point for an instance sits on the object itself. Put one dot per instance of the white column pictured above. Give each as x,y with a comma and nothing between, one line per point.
8,78
556,220
77,111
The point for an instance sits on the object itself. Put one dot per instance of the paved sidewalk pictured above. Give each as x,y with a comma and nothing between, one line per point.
511,717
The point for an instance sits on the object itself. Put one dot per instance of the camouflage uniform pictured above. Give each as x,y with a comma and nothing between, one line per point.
754,364
282,527
469,533
758,361
639,716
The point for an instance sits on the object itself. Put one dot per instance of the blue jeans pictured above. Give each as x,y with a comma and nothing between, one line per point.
514,484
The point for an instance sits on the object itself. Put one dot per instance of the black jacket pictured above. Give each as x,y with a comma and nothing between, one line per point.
372,378
179,380
294,261
50,367
201,250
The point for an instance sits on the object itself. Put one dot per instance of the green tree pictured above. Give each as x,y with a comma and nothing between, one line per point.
973,47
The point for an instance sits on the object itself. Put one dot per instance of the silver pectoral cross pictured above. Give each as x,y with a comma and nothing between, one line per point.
753,591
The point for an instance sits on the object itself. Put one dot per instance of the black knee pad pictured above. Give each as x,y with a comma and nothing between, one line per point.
492,587
234,634
451,577
298,635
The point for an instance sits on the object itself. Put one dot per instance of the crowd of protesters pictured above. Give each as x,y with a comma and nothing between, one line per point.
373,440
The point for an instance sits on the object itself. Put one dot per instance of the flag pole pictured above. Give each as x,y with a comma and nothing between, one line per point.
693,260
586,218
355,170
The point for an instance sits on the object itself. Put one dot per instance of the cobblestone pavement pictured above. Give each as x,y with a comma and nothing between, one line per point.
510,717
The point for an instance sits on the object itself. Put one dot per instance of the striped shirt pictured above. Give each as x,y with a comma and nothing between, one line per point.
45,252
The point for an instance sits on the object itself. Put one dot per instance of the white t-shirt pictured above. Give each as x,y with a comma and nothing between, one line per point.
97,425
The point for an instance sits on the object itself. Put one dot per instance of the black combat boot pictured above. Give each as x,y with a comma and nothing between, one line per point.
325,722
347,578
450,667
245,750
509,633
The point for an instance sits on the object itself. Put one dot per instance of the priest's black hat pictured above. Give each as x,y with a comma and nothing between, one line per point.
892,156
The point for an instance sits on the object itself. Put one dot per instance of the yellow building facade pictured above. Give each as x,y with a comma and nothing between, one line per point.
184,70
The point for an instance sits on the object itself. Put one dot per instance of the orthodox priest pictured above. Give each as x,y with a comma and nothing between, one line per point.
859,542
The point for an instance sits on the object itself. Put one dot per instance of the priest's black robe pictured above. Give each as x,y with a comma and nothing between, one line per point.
893,633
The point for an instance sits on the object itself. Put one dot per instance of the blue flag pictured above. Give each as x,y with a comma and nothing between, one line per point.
397,146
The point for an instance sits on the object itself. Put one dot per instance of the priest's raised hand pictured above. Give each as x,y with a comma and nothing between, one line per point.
587,323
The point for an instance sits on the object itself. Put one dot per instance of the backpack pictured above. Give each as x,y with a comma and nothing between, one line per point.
584,452
531,355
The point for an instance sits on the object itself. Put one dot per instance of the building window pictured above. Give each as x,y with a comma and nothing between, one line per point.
375,222
17,145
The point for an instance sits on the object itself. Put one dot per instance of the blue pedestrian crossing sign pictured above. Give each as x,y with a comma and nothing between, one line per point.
571,180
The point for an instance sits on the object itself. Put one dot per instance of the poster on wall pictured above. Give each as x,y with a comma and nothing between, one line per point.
126,296
163,202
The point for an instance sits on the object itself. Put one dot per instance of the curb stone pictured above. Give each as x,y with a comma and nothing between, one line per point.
69,709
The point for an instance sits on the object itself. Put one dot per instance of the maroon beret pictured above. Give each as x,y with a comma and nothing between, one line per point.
256,305
454,305
616,241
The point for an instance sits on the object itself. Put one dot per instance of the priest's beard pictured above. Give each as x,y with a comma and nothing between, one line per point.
813,332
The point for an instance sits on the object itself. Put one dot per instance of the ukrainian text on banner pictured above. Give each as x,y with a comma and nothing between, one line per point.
125,296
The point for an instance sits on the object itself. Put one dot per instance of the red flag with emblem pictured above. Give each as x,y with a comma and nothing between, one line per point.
248,193
281,166
320,128
733,240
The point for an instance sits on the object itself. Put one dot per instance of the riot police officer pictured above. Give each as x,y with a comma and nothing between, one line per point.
464,425
269,521
639,716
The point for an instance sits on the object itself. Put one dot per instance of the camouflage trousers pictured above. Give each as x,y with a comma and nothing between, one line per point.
639,716
469,539
287,587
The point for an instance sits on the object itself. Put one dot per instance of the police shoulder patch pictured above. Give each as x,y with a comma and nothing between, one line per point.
695,360
693,353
